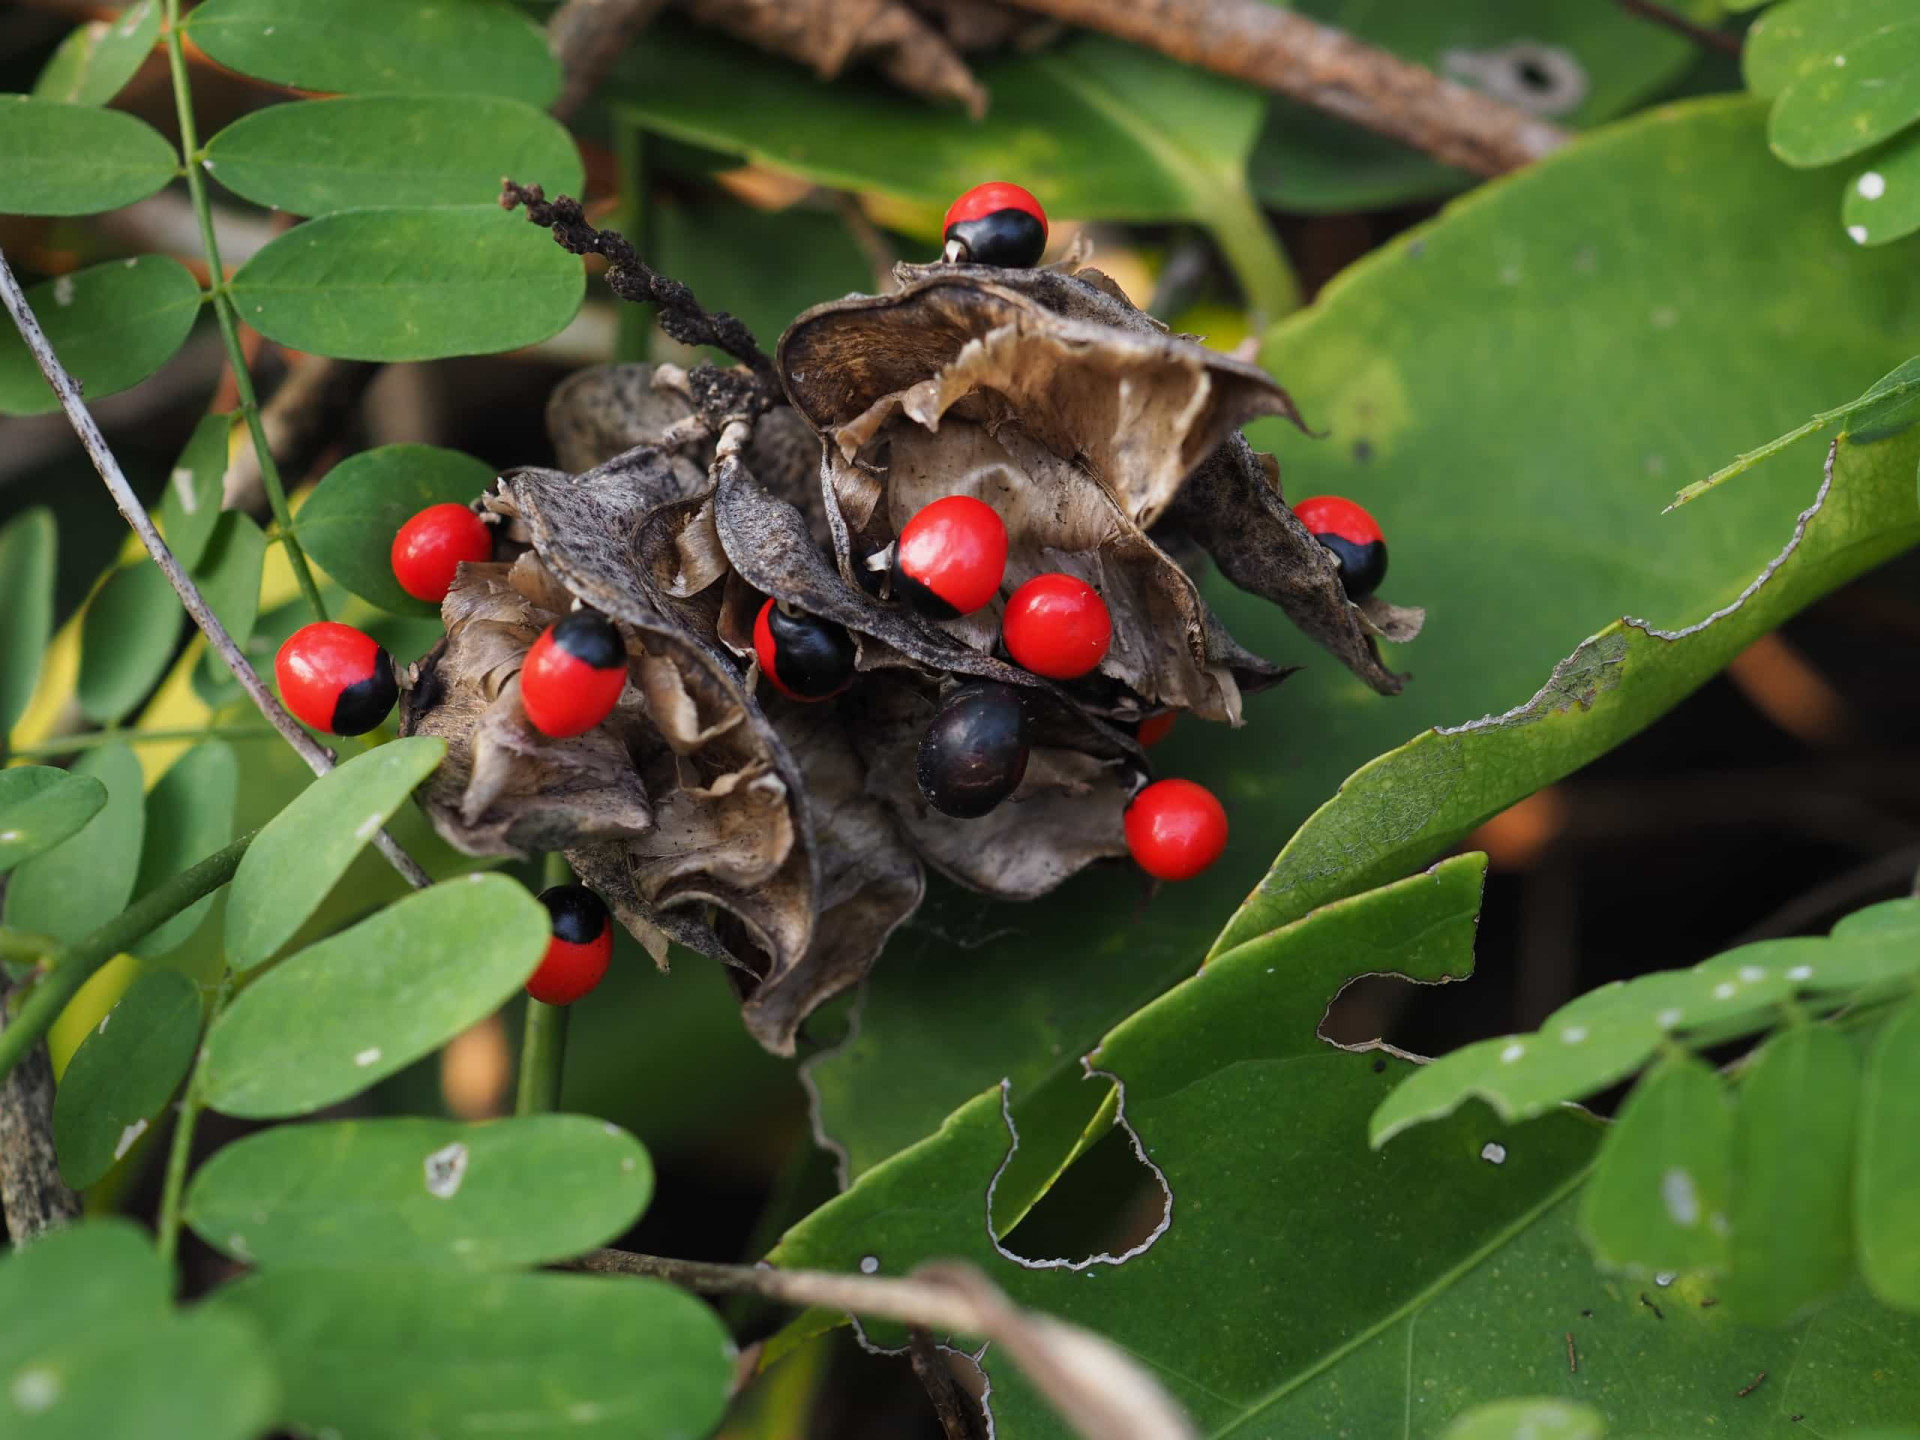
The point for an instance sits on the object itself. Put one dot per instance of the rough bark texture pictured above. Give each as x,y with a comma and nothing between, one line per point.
32,1194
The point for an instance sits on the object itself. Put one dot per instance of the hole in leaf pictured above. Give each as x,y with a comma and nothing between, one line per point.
1106,1205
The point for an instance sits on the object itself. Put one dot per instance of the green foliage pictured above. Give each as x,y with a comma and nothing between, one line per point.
1886,1174
1843,109
124,1073
429,1193
112,325
1801,37
27,548
91,1345
1531,1419
59,159
189,816
306,848
446,1353
41,806
349,522
87,879
190,506
228,574
333,1018
126,641
98,59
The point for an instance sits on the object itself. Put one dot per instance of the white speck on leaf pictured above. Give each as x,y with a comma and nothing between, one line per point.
367,828
237,1245
1510,275
1665,317
610,1127
367,1056
1840,61
9,836
63,291
1717,1223
1800,972
104,1018
1494,1153
127,1136
1725,990
584,1411
1667,1019
446,1168
1512,1053
1682,1199
1573,1034
34,1389
1857,233
267,31
182,479
869,1264
1752,974
1663,1279
628,1165
1871,185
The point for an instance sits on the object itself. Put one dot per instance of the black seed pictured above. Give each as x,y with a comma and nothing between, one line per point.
815,655
365,703
1009,237
974,753
1362,567
919,597
579,915
589,637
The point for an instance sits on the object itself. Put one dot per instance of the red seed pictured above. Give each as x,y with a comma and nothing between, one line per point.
573,675
1058,626
1175,829
431,546
581,946
335,678
1155,728
951,557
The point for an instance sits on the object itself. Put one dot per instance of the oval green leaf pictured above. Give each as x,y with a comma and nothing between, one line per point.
338,1016
444,1353
1869,92
303,850
124,1073
40,806
410,284
189,816
190,505
348,523
1801,37
60,159
96,61
316,156
1882,200
112,325
28,544
1886,1177
229,576
455,47
127,640
90,1347
87,879
1529,1419
436,1193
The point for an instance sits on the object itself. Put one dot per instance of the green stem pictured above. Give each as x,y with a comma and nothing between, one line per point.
224,312
67,744
1247,241
543,1043
180,1152
23,947
74,965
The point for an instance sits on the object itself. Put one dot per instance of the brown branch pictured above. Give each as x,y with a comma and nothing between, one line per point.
586,37
1328,69
32,1194
1666,15
930,1367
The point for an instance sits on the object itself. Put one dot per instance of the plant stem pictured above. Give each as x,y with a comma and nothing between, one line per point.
67,744
543,1043
224,312
1254,255
74,965
180,1151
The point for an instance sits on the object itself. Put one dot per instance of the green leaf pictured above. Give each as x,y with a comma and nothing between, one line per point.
303,850
1882,201
60,159
452,47
1792,1241
1659,1196
124,1073
28,544
1886,1175
189,817
431,1193
410,284
127,640
1844,108
1801,37
1531,1419
348,523
190,505
112,325
335,1017
321,155
90,1346
87,879
96,61
469,1355
41,806
1128,134
229,573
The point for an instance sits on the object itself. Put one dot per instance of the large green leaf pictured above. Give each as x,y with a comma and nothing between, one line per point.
87,879
90,1346
112,325
1515,390
453,47
190,505
28,545
1846,107
1096,129
321,155
443,1353
189,816
410,284
59,159
422,1192
124,1072
41,806
335,1017
349,522
127,640
1302,1286
98,59
1886,1174
307,847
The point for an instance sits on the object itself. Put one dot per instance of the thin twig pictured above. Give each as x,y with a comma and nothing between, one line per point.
180,1151
586,37
1666,15
319,760
1752,1386
930,1367
1328,69
33,1197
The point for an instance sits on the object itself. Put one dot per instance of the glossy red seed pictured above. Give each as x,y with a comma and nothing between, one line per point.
954,554
335,678
1058,626
573,675
1156,728
431,546
991,198
581,946
1175,829
1336,515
